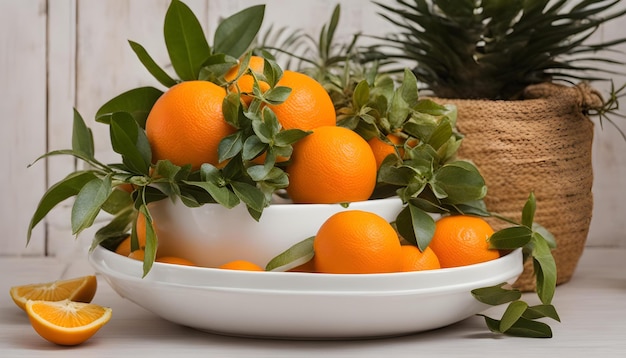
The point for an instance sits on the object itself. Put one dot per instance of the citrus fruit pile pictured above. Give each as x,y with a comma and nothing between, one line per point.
354,241
187,124
61,311
331,164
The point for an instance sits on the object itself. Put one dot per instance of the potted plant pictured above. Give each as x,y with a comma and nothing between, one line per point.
518,72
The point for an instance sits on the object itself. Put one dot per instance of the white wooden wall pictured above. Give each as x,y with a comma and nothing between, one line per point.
60,54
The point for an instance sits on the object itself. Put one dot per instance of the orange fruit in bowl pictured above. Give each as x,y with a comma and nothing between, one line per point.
66,322
382,149
175,260
245,83
357,242
413,259
242,265
80,289
461,240
331,165
308,106
308,266
124,247
138,254
186,124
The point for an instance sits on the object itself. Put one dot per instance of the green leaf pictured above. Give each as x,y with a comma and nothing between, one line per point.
399,110
441,135
510,238
216,66
231,107
230,146
130,141
221,195
185,41
294,256
150,249
289,136
152,67
89,202
249,194
459,182
540,311
361,95
513,312
117,229
528,213
82,137
416,226
277,95
492,324
234,34
59,192
409,89
545,270
170,171
530,329
117,201
137,102
543,234
252,147
496,295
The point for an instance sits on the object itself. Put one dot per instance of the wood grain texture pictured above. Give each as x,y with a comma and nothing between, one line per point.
23,111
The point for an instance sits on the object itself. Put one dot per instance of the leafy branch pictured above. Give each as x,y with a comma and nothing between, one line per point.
242,179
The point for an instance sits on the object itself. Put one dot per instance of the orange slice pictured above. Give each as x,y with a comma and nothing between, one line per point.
80,289
66,322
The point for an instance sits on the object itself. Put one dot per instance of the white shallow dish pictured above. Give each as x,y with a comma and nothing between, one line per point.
211,235
293,305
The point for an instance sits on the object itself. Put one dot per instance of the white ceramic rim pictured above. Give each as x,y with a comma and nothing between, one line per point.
503,269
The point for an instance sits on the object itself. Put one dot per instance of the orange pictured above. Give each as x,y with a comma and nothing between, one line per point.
241,265
175,260
124,247
81,289
186,124
66,322
245,83
355,241
415,260
139,254
331,165
308,106
308,266
382,149
461,240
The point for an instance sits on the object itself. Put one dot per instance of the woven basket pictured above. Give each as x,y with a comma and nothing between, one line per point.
540,144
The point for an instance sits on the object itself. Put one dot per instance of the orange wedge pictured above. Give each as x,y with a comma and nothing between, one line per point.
80,289
66,322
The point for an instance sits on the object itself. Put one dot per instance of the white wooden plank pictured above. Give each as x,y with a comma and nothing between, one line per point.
23,108
608,227
61,85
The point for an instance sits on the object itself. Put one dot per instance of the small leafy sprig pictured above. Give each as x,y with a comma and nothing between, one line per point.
519,319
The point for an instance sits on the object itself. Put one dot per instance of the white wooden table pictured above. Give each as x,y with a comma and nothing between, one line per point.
592,308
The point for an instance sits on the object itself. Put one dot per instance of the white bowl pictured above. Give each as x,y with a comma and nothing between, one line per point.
294,305
212,235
